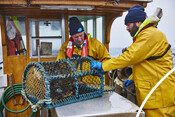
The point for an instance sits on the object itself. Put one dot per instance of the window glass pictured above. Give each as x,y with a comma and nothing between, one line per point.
16,35
90,27
49,28
100,29
45,35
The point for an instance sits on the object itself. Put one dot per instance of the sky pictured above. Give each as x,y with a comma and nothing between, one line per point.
121,38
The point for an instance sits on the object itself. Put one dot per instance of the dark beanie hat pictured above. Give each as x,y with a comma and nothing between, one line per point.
75,26
135,14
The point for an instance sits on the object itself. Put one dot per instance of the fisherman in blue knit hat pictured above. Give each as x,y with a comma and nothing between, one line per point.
135,17
151,59
81,44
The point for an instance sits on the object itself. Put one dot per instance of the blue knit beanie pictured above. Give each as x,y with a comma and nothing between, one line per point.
75,26
135,14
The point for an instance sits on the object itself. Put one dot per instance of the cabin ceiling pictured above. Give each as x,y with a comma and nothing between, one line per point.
87,7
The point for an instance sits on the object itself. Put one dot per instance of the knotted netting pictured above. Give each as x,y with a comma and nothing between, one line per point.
52,84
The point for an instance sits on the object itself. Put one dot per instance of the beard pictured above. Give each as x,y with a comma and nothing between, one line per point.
133,30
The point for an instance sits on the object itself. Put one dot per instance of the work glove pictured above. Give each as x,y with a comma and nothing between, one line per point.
126,83
97,65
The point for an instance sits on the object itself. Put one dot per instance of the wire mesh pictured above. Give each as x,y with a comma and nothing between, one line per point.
61,82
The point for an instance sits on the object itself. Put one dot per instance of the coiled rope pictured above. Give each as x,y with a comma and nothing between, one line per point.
7,95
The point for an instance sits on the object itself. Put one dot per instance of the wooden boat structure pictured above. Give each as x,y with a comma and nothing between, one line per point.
44,23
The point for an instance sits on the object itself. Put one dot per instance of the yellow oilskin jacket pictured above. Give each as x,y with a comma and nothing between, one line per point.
146,73
96,50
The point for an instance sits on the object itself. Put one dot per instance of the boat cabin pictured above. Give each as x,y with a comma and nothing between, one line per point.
34,30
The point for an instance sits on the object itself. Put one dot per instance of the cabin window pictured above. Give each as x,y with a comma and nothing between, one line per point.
100,29
93,25
90,27
16,35
45,37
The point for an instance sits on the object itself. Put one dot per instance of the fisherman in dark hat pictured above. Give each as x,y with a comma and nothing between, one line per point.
151,59
81,44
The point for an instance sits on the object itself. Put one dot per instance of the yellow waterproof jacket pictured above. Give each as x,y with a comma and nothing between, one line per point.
146,73
95,49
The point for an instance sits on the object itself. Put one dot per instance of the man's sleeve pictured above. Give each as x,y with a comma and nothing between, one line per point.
139,51
131,77
62,52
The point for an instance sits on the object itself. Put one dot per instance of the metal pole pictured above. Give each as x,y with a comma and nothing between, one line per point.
38,47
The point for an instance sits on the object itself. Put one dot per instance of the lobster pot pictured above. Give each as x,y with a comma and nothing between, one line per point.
52,84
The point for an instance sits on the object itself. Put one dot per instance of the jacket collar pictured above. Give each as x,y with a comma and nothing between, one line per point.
150,21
